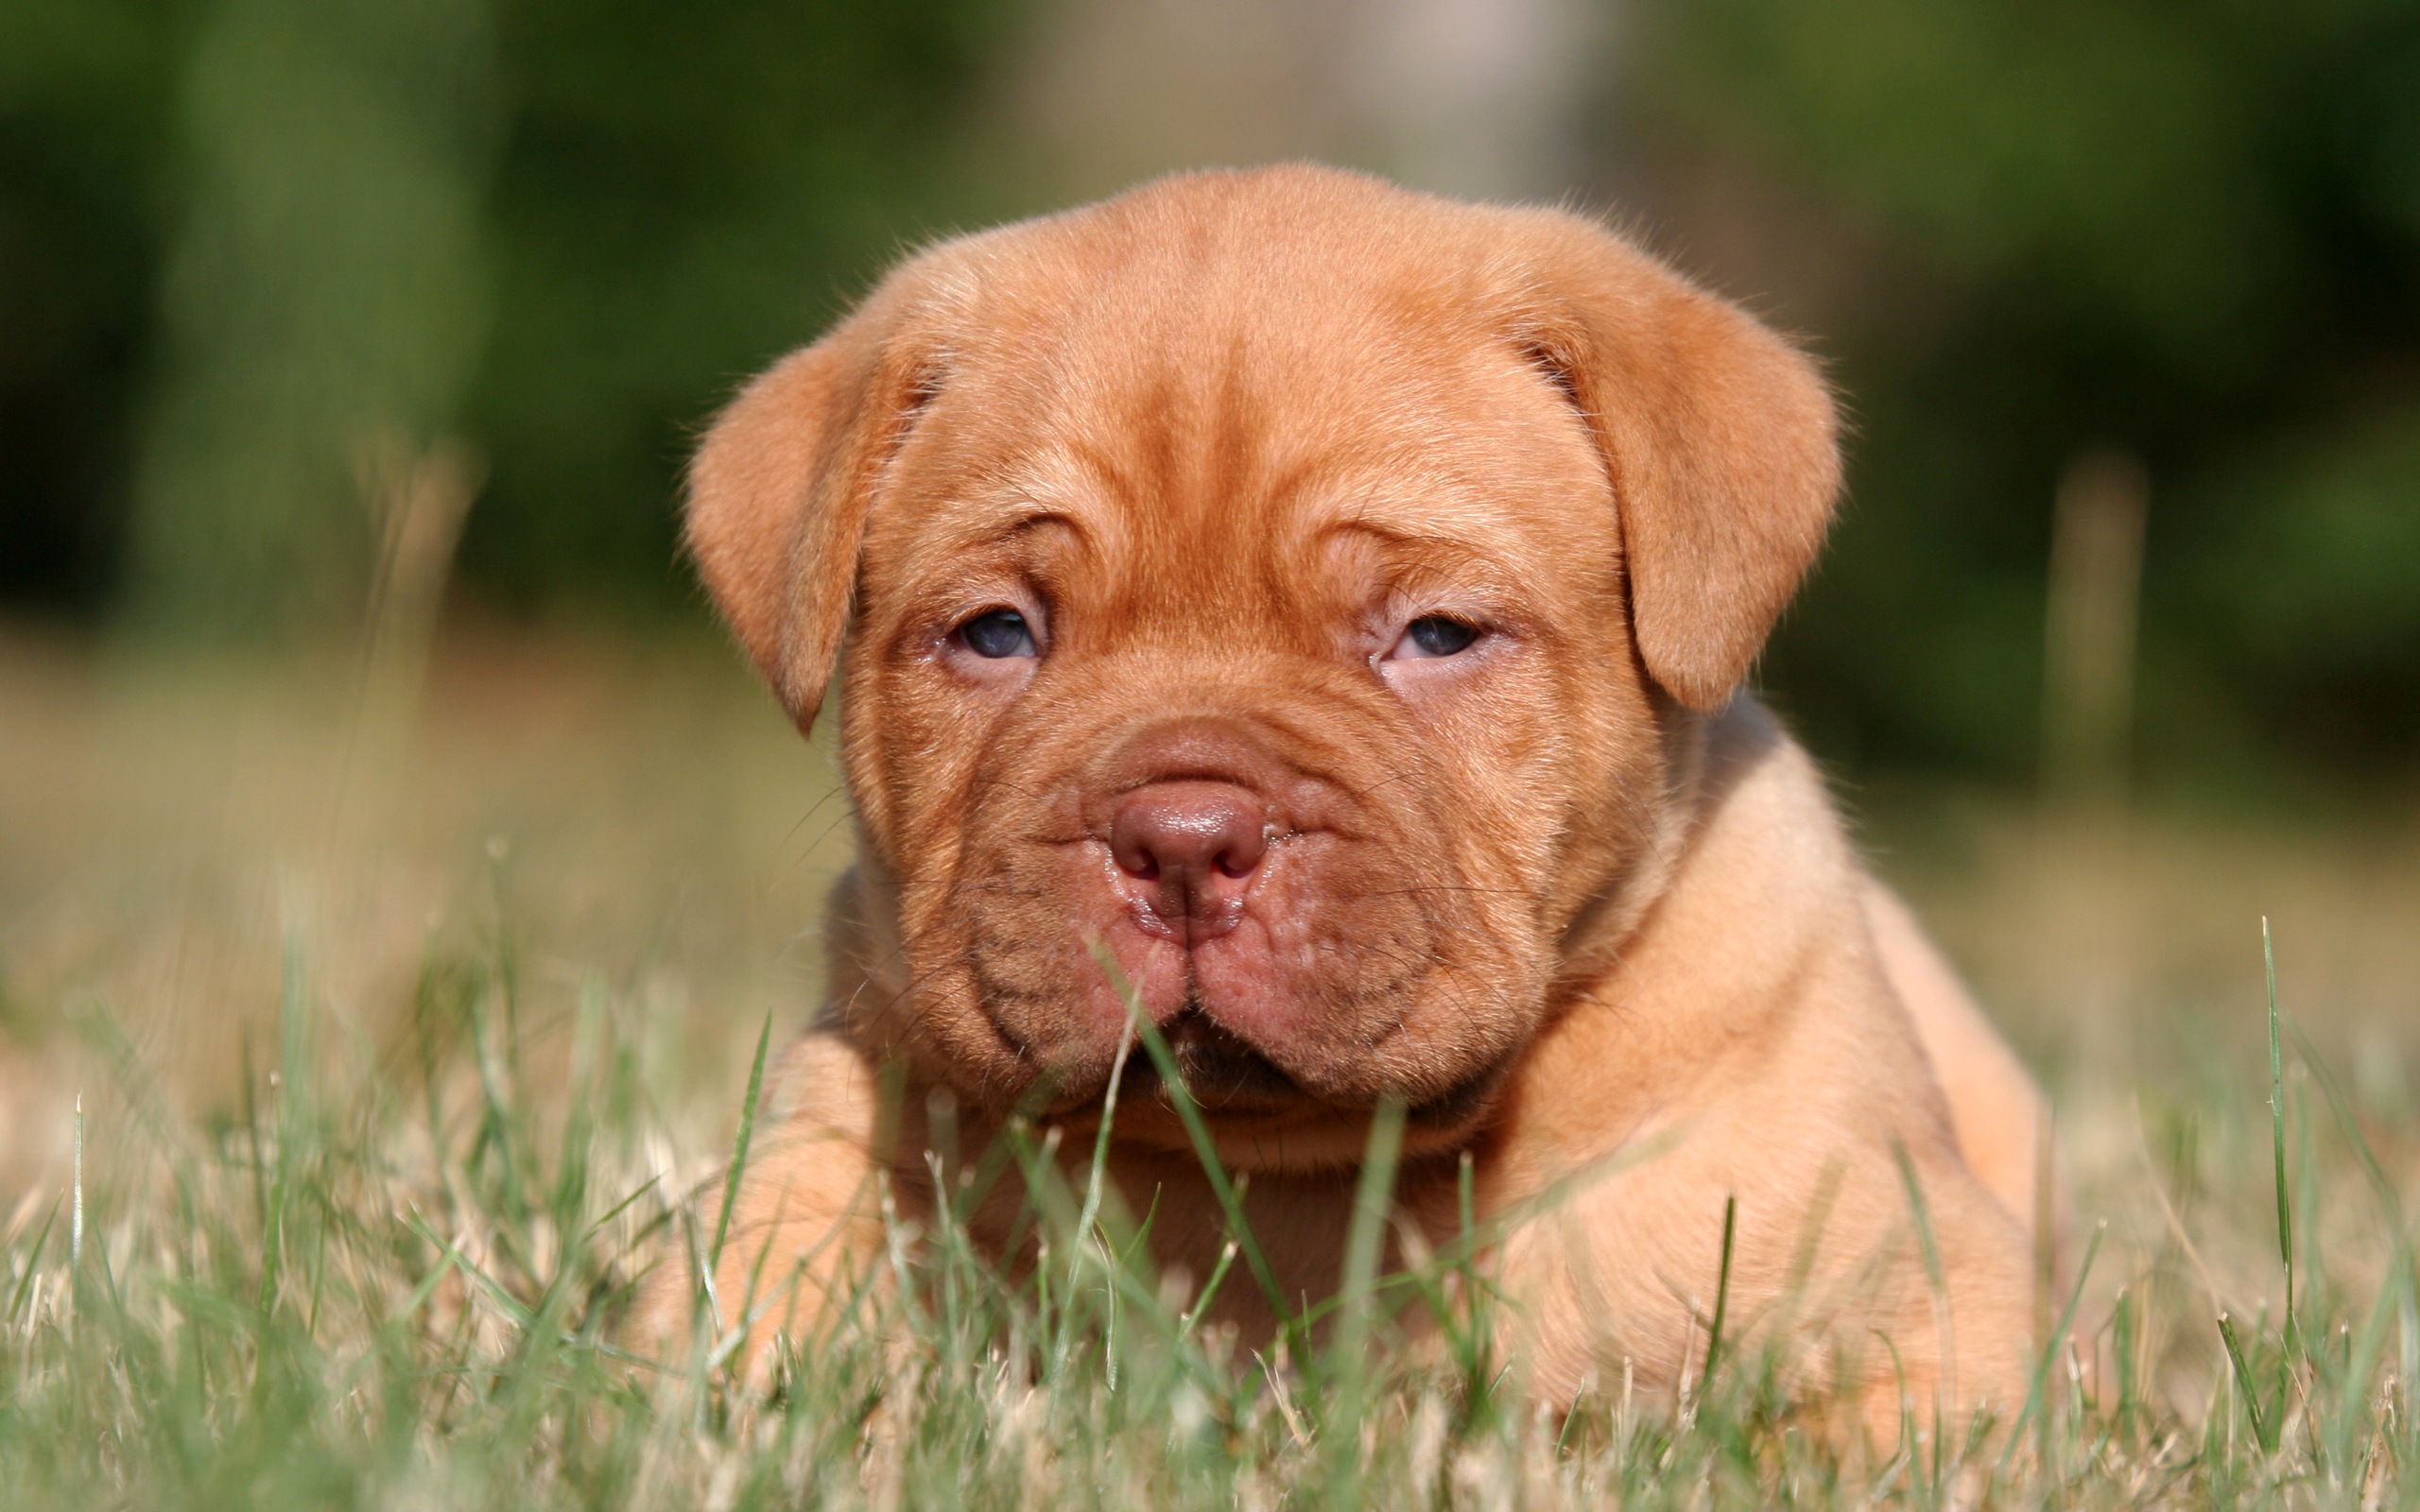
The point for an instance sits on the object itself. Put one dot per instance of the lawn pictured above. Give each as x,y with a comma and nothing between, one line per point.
353,1070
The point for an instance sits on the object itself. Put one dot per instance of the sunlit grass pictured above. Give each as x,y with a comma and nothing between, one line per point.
399,1284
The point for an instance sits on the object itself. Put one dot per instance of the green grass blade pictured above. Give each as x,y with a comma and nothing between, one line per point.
2352,1399
2261,1428
1722,1295
2340,1108
1081,1243
75,1219
1209,1291
1373,1195
1922,1215
1204,1148
2037,1391
739,1145
1481,1340
2278,1152
33,1264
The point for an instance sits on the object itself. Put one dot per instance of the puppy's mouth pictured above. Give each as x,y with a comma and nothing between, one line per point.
1226,1077
1220,1072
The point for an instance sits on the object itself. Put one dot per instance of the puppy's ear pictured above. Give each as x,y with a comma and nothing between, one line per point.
779,490
1721,439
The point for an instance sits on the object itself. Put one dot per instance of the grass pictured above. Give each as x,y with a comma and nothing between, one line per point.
368,1247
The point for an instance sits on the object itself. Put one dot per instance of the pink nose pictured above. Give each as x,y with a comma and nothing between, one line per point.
1195,844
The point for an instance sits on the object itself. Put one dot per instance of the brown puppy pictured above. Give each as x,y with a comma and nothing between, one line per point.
1332,601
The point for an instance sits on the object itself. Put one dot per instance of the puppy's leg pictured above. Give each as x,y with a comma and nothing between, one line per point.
1963,1345
1827,1267
1998,1111
807,1227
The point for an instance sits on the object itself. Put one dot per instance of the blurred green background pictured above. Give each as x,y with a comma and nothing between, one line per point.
252,252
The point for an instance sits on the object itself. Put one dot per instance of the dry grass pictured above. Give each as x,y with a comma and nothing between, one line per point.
395,1053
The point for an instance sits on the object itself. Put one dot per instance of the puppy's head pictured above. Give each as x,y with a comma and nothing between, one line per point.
1283,583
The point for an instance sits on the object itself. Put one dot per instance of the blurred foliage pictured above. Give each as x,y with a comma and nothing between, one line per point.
2188,229
687,192
86,117
325,295
242,239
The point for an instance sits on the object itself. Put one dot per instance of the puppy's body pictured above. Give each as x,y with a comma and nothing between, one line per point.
1328,602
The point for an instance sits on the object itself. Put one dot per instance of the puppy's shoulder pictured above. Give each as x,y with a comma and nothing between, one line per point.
1764,820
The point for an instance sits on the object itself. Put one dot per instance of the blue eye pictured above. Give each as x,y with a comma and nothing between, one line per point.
997,634
1434,635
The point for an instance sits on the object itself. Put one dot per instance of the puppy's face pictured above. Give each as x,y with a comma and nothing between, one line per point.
1276,655
1233,584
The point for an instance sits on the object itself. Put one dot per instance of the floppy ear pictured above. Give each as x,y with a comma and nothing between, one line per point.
778,493
1721,441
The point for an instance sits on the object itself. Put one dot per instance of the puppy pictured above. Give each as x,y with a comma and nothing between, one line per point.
1330,604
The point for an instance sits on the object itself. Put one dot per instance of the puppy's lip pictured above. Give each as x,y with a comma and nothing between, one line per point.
1222,1073
1189,932
1233,1082
1465,1104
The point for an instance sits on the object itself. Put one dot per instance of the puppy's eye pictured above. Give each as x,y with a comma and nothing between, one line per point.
1436,635
999,633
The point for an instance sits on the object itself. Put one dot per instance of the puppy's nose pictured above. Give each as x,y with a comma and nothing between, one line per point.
1195,844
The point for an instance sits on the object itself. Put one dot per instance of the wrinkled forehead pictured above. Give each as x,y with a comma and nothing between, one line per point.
1227,413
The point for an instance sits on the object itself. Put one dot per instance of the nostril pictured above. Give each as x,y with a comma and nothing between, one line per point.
1135,859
